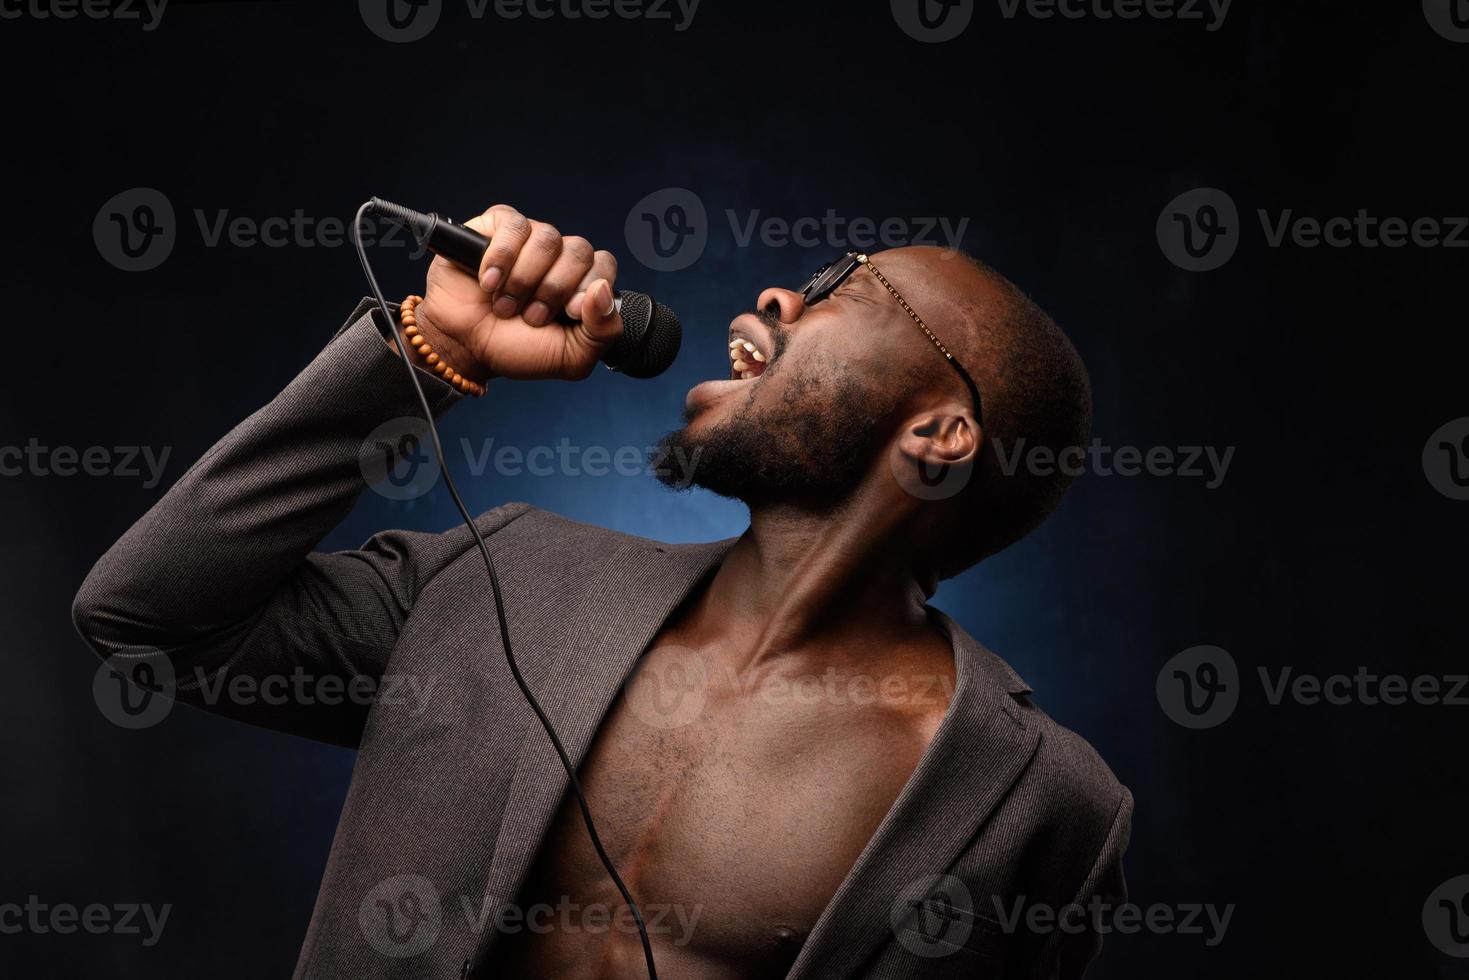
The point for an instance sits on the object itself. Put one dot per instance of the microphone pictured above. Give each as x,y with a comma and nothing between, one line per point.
651,333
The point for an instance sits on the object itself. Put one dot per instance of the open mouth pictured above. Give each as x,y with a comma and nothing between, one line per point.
748,358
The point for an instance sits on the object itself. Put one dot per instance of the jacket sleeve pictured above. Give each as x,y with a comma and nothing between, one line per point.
218,581
1071,951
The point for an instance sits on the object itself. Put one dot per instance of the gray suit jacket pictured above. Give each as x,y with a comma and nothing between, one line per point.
1008,813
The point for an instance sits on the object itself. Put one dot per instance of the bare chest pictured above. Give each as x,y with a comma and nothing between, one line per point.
732,805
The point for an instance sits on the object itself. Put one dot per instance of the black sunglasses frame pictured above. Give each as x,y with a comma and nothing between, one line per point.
830,276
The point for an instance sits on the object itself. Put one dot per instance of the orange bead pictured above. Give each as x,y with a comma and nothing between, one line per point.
442,368
432,358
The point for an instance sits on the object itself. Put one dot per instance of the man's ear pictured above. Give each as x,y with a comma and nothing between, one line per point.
947,436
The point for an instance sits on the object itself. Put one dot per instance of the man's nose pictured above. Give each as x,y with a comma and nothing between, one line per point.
790,303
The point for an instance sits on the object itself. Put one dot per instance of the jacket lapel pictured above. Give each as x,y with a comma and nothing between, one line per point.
601,637
979,750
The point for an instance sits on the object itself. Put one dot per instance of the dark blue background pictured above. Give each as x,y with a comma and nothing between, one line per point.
1324,549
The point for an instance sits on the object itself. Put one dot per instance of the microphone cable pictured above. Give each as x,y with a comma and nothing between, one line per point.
535,705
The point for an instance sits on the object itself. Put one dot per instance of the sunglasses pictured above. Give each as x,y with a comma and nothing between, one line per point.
833,274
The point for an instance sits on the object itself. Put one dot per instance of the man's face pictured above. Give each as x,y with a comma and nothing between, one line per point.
825,390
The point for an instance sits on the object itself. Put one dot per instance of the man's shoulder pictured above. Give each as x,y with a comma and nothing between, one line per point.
548,539
1066,771
1073,775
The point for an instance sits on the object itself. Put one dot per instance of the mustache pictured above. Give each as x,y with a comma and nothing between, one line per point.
769,315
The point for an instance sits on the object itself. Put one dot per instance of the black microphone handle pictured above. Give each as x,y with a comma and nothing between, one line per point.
651,333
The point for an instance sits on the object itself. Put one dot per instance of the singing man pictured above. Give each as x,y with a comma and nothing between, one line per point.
800,768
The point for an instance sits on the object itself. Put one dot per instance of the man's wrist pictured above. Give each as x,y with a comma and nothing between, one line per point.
450,350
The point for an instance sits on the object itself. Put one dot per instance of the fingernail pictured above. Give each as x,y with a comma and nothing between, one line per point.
537,313
492,278
611,300
505,306
573,307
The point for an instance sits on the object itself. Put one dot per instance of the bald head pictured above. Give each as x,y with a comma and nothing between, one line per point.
1034,387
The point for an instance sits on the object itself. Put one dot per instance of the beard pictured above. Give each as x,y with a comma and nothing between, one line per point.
810,451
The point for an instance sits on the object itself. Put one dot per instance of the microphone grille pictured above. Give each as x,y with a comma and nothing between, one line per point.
651,336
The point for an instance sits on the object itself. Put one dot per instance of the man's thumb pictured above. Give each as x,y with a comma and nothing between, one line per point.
599,317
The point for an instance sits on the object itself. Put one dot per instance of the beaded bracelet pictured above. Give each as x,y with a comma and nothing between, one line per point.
418,342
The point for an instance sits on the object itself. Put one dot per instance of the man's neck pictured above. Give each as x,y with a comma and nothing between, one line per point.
834,585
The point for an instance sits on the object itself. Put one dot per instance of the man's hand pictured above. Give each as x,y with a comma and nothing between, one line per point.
503,323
